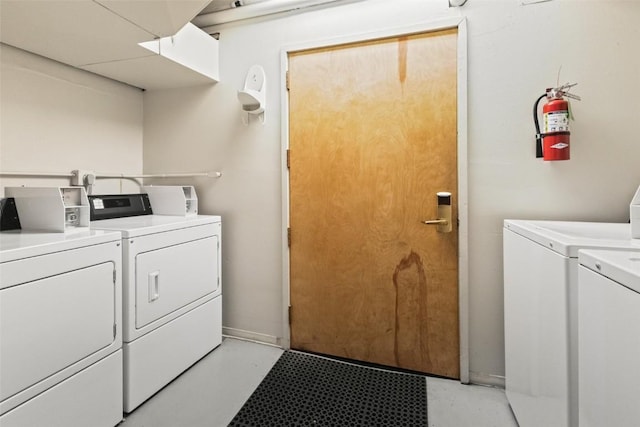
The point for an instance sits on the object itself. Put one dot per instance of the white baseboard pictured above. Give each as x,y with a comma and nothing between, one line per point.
474,377
251,336
486,379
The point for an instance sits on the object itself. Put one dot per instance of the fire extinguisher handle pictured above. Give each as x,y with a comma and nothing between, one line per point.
572,96
559,92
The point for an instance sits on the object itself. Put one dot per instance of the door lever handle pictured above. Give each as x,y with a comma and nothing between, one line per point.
436,221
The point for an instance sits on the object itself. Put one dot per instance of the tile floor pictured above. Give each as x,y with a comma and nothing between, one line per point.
213,391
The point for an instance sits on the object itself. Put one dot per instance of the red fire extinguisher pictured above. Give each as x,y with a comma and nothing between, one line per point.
554,142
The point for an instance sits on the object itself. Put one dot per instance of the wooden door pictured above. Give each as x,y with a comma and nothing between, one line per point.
372,140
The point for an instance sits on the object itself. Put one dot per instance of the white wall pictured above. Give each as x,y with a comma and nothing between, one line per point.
514,53
55,118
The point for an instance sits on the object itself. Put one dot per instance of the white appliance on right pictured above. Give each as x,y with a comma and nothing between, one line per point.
541,314
609,338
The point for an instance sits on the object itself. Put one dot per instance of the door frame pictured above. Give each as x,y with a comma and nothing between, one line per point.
463,235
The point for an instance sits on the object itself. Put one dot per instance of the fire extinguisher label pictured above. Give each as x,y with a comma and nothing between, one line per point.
556,121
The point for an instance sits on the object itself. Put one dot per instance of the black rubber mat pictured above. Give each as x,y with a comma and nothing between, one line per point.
307,390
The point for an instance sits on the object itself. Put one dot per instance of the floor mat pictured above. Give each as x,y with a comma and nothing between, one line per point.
308,390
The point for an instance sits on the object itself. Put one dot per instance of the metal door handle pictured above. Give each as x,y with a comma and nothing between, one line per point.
436,221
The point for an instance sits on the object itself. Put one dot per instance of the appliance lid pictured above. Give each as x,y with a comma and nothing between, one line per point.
568,237
20,244
108,206
143,225
620,266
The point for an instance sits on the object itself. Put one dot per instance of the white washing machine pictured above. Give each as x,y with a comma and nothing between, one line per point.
540,314
60,329
609,338
172,293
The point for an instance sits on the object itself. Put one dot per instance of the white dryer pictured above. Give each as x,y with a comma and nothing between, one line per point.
172,292
60,329
541,314
609,344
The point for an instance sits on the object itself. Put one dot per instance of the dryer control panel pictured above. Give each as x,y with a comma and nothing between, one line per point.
119,206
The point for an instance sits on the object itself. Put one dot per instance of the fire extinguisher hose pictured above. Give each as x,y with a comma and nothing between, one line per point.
539,136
